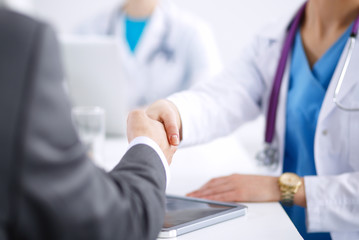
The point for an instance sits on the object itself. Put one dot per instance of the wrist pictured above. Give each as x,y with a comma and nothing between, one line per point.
299,197
276,197
289,185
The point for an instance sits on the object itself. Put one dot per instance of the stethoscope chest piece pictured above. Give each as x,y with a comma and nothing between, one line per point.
268,157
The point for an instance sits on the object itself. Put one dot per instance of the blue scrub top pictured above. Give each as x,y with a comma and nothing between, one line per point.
134,29
307,88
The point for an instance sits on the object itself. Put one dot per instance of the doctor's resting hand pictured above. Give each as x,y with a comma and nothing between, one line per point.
245,188
139,124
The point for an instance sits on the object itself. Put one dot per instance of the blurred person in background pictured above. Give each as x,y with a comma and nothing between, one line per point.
23,6
49,187
164,49
302,73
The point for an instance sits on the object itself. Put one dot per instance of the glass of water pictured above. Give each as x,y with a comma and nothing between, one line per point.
90,125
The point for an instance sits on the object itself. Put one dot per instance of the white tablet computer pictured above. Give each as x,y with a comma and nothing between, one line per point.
184,214
95,78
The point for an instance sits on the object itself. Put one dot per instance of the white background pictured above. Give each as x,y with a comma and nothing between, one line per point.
233,23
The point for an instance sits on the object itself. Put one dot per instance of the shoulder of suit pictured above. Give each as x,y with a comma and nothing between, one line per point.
21,25
17,19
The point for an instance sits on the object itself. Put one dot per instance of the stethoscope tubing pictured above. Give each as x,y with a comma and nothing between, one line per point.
269,156
352,41
274,97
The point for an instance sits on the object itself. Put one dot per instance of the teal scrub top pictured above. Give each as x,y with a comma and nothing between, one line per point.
134,29
306,92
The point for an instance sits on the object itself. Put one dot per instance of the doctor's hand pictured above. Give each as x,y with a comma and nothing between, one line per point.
139,124
240,188
166,113
246,188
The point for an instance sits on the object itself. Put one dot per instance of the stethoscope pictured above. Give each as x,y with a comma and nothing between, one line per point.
269,156
162,48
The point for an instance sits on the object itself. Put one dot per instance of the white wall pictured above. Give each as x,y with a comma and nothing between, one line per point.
24,6
233,22
67,14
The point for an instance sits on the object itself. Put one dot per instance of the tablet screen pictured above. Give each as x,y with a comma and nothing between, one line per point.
179,211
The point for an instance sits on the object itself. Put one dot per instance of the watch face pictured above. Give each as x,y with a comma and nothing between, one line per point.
290,179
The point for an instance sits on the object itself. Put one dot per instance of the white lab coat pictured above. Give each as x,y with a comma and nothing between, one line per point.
196,54
241,93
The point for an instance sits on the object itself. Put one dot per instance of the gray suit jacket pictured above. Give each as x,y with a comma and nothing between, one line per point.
49,189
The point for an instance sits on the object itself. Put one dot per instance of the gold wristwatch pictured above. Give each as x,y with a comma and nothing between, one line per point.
289,184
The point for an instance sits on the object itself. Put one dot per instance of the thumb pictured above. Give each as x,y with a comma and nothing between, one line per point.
170,123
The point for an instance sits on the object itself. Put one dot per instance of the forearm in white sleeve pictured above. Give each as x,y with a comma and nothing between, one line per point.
217,107
332,203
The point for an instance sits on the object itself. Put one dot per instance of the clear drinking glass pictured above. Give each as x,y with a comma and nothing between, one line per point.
90,125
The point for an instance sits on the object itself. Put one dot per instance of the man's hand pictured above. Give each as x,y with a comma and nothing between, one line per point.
139,124
240,188
166,112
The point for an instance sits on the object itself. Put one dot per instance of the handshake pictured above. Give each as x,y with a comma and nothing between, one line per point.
161,122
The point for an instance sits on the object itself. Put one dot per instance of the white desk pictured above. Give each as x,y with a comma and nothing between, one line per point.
194,166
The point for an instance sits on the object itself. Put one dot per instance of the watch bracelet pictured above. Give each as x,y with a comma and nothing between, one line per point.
287,198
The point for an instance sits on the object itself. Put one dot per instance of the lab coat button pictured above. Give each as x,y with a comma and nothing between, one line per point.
324,132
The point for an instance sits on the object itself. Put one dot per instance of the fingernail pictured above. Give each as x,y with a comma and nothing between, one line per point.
174,139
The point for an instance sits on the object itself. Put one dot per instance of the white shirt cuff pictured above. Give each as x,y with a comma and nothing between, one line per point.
149,142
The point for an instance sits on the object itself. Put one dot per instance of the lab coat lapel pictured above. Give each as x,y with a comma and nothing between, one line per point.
281,112
130,64
128,58
151,36
136,69
275,35
351,78
280,123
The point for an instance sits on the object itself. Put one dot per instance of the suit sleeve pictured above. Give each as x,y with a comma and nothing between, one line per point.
63,194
